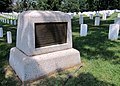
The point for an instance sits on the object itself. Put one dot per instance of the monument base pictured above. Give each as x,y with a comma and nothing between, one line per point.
34,67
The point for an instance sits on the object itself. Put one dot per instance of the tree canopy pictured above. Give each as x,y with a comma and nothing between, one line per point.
5,5
61,5
78,5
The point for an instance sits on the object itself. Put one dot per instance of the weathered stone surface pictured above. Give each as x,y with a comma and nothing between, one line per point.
30,68
26,30
9,37
31,62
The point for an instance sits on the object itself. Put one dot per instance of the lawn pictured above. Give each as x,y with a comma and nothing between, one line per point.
100,58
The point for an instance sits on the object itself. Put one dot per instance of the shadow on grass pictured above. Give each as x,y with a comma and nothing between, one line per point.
10,82
96,44
5,71
83,79
87,79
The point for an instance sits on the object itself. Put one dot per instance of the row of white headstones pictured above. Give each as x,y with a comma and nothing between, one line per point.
113,28
9,35
8,18
97,18
90,14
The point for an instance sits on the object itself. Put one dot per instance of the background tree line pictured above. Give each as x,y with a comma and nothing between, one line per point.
61,5
5,5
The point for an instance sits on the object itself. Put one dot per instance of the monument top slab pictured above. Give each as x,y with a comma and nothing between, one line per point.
41,28
45,14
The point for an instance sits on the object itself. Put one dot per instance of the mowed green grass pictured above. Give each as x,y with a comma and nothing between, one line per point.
100,58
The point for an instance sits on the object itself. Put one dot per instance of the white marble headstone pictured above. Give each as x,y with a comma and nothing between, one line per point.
117,21
83,29
97,21
9,37
1,32
7,21
81,19
11,21
113,31
15,22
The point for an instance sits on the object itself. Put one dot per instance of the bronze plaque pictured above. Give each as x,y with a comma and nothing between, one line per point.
52,33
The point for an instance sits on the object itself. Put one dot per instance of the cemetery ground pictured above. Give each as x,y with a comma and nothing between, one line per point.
100,58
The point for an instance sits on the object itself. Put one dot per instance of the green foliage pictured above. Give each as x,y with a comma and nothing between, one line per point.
90,4
78,5
71,5
18,7
5,5
61,5
68,5
83,5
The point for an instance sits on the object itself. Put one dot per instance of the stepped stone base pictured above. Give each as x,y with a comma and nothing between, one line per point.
34,67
